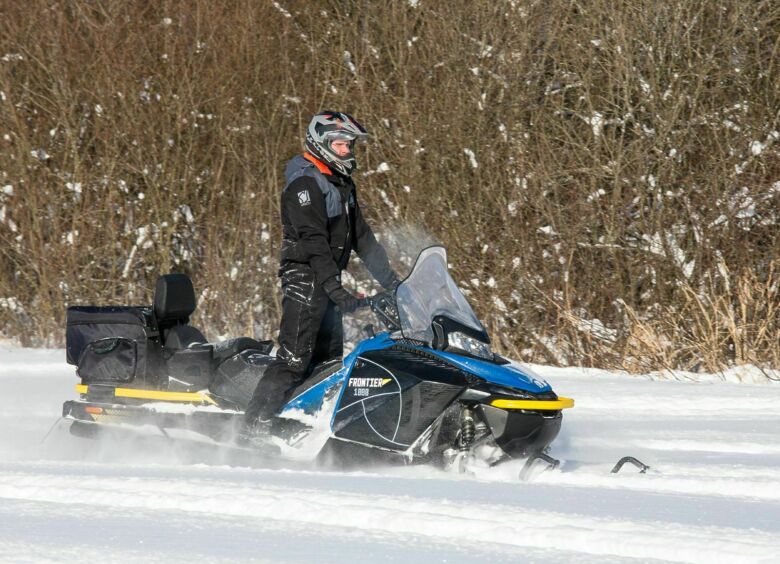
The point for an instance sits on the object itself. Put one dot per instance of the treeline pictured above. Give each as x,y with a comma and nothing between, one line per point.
604,174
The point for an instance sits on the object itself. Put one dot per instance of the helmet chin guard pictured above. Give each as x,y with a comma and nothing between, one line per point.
326,127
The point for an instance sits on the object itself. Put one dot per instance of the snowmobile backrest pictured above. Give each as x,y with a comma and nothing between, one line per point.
174,299
174,302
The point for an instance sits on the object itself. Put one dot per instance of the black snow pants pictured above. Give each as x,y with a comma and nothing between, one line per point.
310,333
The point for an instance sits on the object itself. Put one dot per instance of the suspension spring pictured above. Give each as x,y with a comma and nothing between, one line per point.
468,429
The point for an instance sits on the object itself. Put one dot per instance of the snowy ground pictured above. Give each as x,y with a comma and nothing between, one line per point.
713,494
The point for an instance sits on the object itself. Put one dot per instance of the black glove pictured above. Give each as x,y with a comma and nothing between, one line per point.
347,302
386,309
394,283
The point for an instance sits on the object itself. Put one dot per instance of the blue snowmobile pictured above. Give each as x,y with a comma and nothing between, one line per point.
427,389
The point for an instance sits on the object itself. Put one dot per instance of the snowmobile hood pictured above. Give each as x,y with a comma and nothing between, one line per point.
511,375
380,341
312,399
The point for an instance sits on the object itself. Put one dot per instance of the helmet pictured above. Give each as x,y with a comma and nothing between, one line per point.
326,127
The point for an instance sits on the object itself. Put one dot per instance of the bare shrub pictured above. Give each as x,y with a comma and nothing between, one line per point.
605,175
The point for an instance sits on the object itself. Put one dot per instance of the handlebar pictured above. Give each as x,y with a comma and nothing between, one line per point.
385,308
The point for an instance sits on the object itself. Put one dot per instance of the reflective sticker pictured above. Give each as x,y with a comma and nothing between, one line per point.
303,198
368,382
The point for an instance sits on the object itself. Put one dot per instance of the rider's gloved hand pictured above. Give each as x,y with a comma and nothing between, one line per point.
384,306
347,302
394,283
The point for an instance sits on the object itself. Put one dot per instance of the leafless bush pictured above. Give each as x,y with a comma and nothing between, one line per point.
605,175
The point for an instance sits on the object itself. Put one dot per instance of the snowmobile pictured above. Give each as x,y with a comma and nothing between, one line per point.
427,389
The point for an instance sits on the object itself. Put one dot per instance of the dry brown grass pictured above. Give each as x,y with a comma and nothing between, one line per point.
626,160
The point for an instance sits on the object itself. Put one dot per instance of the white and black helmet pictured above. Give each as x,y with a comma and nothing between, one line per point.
326,127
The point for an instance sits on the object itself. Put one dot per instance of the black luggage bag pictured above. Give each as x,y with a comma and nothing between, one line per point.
114,345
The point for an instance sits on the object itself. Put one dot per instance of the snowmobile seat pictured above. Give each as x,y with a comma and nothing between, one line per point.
228,349
190,359
174,302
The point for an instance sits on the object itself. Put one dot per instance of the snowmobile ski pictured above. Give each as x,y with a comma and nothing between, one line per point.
643,468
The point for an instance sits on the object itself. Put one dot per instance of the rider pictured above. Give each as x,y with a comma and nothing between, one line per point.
321,225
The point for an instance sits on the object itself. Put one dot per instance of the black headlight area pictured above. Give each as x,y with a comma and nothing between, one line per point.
453,336
460,342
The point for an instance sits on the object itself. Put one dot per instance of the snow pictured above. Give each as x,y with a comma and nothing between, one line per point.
547,230
347,58
40,154
757,147
472,158
594,327
596,195
184,211
596,121
712,494
284,12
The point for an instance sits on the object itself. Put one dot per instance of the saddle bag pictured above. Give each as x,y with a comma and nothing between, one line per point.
113,345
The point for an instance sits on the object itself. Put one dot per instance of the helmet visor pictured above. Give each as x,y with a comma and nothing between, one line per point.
342,135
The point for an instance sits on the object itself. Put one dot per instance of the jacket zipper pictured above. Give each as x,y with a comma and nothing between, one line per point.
348,235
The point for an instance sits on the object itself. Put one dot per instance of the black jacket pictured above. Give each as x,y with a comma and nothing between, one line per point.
322,223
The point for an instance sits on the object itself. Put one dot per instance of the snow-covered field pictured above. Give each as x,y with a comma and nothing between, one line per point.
712,495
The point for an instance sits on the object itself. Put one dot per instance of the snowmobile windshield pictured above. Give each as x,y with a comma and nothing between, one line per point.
430,291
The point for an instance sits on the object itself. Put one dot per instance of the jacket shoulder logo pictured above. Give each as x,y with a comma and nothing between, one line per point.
303,198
